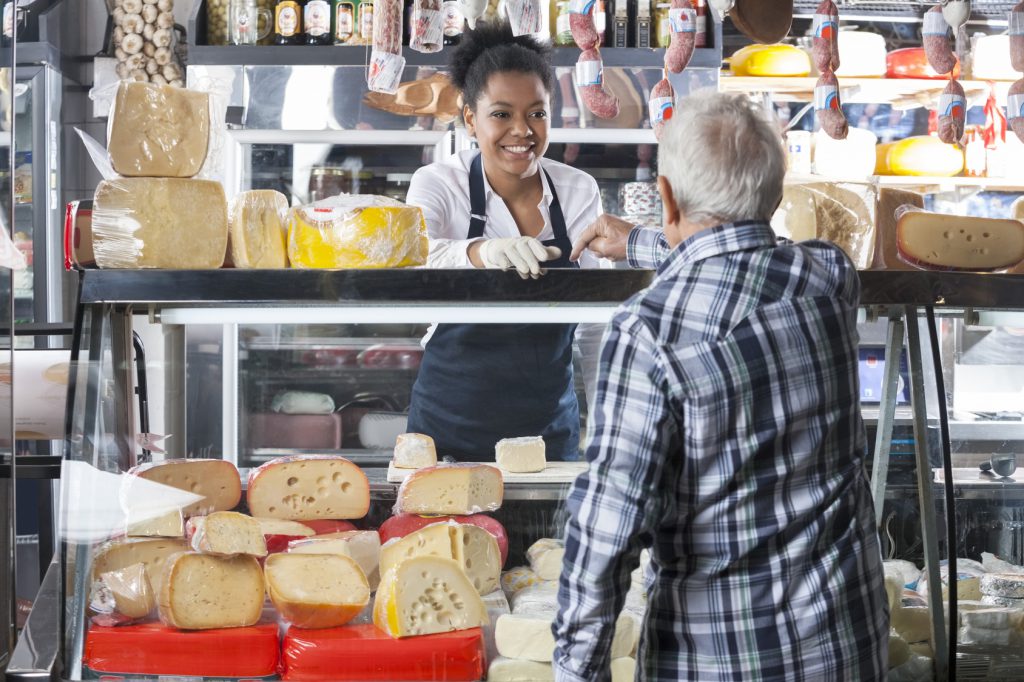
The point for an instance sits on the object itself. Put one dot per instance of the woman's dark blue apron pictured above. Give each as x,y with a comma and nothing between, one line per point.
479,383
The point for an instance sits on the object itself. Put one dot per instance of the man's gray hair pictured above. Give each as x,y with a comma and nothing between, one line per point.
723,158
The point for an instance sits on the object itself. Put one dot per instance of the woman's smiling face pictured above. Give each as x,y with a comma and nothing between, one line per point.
510,123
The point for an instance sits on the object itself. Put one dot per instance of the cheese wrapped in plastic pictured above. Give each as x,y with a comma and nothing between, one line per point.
257,228
158,131
918,155
842,213
356,231
169,223
935,241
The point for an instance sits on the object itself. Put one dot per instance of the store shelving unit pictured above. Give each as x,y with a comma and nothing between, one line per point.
902,93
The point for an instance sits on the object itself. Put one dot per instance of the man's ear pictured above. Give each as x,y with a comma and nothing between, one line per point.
668,201
470,119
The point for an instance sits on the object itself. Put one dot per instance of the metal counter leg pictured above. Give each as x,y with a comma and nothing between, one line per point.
886,414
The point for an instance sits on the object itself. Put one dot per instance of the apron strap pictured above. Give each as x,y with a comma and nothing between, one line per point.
561,233
477,199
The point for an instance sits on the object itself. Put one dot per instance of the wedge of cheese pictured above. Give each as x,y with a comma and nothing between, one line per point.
257,230
471,547
504,669
167,223
316,590
400,525
169,525
426,595
150,552
913,623
201,592
521,455
528,636
414,451
132,591
309,487
363,546
158,131
216,480
946,242
545,557
227,534
451,489
890,199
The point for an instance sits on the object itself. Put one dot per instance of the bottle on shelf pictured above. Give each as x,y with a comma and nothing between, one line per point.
365,22
560,31
454,21
288,22
344,21
642,24
618,22
316,22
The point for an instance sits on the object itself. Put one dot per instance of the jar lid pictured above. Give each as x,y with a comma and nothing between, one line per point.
399,177
328,170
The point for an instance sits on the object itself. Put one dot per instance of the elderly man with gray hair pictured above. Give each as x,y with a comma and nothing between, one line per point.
726,436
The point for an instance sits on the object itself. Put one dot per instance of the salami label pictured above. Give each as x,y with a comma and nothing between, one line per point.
427,30
385,72
589,72
1016,26
1015,106
952,105
682,20
661,109
825,26
581,6
524,17
934,24
826,97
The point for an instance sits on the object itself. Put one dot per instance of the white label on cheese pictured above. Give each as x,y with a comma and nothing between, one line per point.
682,20
660,110
934,24
825,26
1015,106
1016,24
826,97
589,73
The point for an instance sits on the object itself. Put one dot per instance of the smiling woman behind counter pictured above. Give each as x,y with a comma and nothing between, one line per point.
503,206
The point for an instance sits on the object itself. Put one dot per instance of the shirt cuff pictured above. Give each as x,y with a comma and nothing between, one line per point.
450,253
642,247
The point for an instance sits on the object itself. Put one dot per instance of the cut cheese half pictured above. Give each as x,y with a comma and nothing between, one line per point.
151,552
311,487
316,591
451,489
201,592
426,595
947,242
216,480
521,455
414,451
132,591
227,534
363,546
258,234
473,548
545,557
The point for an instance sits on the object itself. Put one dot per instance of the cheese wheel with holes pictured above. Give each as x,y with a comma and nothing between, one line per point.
426,595
316,591
451,489
216,480
473,548
202,592
310,487
400,525
946,242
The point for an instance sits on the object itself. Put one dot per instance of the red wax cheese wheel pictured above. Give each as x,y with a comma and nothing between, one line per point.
277,533
216,480
400,525
911,62
362,652
155,649
310,487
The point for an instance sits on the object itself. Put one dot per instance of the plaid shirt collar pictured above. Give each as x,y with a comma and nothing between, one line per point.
742,235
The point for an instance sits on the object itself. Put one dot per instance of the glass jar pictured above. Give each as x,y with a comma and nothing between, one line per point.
397,186
662,27
560,19
329,181
217,22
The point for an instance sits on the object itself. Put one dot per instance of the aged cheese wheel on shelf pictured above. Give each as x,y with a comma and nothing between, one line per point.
216,480
308,487
257,227
521,455
770,60
861,55
417,597
919,155
911,62
947,242
158,131
200,591
545,557
451,489
226,534
502,669
316,590
890,199
400,525
167,223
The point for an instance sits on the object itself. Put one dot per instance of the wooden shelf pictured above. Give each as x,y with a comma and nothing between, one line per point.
923,182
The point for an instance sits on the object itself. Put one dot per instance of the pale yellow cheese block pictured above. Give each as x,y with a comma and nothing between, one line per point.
473,548
158,131
258,233
284,527
425,595
521,455
414,451
304,488
363,546
167,223
216,480
169,525
151,552
132,591
316,590
948,242
451,489
227,533
201,592
373,236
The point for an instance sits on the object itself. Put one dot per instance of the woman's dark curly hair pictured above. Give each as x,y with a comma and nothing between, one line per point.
491,48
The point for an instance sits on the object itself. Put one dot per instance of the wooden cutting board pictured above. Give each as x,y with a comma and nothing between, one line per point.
556,472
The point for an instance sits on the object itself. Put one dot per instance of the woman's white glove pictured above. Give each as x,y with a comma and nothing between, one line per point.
525,254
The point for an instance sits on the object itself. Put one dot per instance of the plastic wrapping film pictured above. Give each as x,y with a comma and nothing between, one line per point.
842,213
308,487
640,199
363,652
400,525
969,573
936,241
357,231
144,42
216,480
168,223
155,649
117,555
204,592
302,402
122,596
414,451
362,546
316,591
257,233
451,489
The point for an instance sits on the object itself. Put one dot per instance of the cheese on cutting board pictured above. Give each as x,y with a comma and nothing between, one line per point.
471,547
426,595
842,213
363,546
451,489
947,242
414,451
201,592
886,255
132,591
226,534
169,525
257,230
316,590
521,455
504,669
216,480
151,552
545,557
169,223
310,487
356,231
158,131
